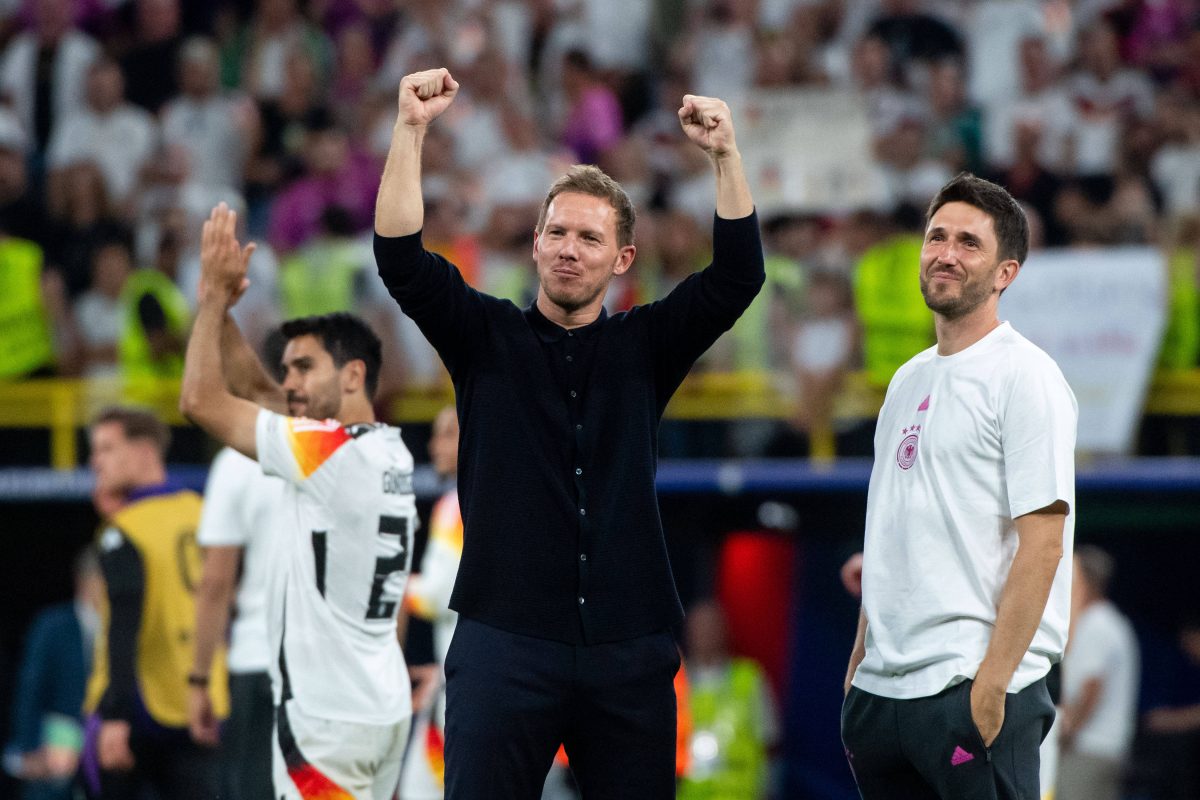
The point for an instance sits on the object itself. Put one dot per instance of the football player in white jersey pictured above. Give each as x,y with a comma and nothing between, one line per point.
342,693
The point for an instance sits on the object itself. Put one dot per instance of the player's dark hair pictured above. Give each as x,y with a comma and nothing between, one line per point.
590,180
137,423
346,338
1012,229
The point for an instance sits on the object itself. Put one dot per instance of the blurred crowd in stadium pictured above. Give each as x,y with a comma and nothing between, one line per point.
122,123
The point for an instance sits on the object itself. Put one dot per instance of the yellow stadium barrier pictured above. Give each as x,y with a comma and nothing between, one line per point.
63,406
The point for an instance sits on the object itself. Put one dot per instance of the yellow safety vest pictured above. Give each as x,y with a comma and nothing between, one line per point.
25,340
728,756
133,349
896,323
320,279
162,529
1181,339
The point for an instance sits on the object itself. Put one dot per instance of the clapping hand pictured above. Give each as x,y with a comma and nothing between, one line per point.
223,261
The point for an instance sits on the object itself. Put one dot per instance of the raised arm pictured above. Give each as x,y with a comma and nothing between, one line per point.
245,374
709,124
204,398
399,207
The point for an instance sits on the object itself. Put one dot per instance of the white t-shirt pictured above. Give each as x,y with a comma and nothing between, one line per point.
965,444
241,508
1103,646
345,550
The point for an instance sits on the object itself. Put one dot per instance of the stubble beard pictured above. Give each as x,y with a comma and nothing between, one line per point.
972,294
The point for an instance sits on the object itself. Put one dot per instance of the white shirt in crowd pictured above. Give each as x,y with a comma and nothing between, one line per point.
344,554
208,130
1103,646
965,444
242,507
74,55
120,143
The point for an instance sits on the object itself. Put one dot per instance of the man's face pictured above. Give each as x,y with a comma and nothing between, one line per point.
576,252
959,260
311,381
116,459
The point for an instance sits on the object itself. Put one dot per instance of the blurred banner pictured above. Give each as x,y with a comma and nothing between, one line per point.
808,151
1100,315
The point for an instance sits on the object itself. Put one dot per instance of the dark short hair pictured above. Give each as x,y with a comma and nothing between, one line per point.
1012,229
1096,565
345,337
137,423
591,180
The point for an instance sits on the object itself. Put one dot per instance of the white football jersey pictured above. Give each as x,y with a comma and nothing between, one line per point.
345,551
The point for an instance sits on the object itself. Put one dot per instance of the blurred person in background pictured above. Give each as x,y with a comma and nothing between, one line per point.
236,534
1173,730
206,129
428,598
154,321
119,137
47,722
44,71
22,207
734,725
28,303
150,65
329,273
81,217
98,310
1100,674
136,701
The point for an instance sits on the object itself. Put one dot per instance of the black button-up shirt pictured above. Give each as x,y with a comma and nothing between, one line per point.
559,438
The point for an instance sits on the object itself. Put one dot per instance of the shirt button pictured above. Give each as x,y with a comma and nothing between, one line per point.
572,393
580,601
578,426
570,358
578,471
583,556
572,334
583,512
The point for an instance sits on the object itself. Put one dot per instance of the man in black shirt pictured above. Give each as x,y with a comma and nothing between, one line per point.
565,592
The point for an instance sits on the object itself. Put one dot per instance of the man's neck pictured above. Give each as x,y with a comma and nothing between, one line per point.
956,335
569,318
356,412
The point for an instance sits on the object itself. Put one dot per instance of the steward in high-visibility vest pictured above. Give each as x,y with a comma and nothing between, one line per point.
896,323
731,726
152,307
323,277
26,343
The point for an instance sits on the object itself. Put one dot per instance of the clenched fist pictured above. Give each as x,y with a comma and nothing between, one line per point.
425,95
708,123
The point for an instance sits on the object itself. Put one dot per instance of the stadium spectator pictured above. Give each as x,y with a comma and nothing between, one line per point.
115,134
27,346
584,614
136,698
22,210
47,722
98,310
260,52
44,71
915,38
206,129
327,274
1098,709
80,218
594,122
150,65
154,323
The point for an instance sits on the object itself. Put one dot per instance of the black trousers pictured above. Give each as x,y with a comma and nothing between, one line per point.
168,768
512,699
246,738
929,747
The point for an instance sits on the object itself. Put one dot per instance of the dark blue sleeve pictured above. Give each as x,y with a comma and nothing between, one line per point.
431,291
693,316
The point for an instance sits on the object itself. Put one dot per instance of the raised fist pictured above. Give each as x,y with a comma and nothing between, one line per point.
708,123
425,95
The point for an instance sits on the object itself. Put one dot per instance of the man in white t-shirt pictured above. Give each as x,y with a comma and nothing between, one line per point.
343,546
970,509
1100,687
241,506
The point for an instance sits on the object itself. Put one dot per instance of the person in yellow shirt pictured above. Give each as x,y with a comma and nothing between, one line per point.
136,700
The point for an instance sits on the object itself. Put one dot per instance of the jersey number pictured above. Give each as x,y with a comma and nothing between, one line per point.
381,604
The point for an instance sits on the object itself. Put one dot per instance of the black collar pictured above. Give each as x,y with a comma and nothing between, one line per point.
549,331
